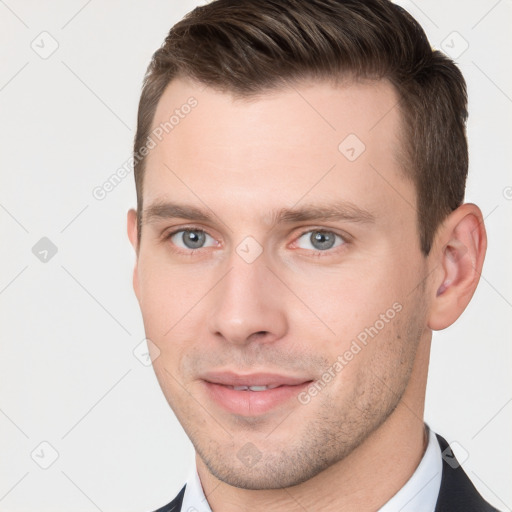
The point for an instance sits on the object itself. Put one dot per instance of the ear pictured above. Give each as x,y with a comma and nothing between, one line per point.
457,258
133,236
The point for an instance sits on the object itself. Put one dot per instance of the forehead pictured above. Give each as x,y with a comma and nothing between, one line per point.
311,139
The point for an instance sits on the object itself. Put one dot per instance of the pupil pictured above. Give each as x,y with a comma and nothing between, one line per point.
321,240
193,239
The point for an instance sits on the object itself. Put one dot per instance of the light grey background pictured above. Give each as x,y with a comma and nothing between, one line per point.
69,325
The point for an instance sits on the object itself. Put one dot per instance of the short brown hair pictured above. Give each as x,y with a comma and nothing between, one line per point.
246,47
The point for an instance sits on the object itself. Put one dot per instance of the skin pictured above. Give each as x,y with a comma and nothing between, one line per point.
295,308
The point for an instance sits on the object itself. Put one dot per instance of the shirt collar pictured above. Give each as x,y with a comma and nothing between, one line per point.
420,492
194,499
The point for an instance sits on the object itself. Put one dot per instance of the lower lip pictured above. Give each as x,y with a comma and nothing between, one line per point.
253,403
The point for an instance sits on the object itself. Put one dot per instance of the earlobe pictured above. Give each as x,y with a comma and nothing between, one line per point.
457,257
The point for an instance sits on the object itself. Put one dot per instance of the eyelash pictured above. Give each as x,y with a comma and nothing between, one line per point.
192,252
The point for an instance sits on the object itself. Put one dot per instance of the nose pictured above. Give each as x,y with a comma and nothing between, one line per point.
248,305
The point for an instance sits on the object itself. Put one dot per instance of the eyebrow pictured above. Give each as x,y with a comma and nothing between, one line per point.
339,211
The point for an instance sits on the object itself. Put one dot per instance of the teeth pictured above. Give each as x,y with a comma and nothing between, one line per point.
254,388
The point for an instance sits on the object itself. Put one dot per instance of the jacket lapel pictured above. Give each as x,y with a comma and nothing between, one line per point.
457,493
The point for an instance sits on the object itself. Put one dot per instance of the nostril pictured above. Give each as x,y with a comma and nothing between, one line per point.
258,335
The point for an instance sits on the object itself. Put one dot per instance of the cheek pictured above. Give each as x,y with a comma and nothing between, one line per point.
372,367
166,299
168,293
349,299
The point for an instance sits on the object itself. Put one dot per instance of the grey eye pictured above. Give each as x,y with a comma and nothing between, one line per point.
320,240
192,239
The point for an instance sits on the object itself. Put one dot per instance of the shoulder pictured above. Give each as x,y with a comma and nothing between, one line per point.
457,493
175,504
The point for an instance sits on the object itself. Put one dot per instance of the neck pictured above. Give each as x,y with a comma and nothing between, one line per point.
363,481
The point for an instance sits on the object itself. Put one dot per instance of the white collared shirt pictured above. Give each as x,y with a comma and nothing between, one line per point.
419,494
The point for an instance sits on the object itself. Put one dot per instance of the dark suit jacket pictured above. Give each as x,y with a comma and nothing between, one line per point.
457,493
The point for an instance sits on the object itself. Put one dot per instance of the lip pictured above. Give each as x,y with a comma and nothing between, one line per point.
253,379
284,388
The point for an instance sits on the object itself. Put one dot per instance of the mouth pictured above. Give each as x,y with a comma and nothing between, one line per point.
253,394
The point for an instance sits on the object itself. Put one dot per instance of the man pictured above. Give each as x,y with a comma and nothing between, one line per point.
300,232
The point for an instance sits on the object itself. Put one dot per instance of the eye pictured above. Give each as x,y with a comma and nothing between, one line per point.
319,240
191,239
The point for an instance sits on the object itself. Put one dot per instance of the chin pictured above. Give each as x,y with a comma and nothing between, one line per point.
275,471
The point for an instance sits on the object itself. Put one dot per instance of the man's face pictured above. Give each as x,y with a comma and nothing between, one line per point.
275,258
